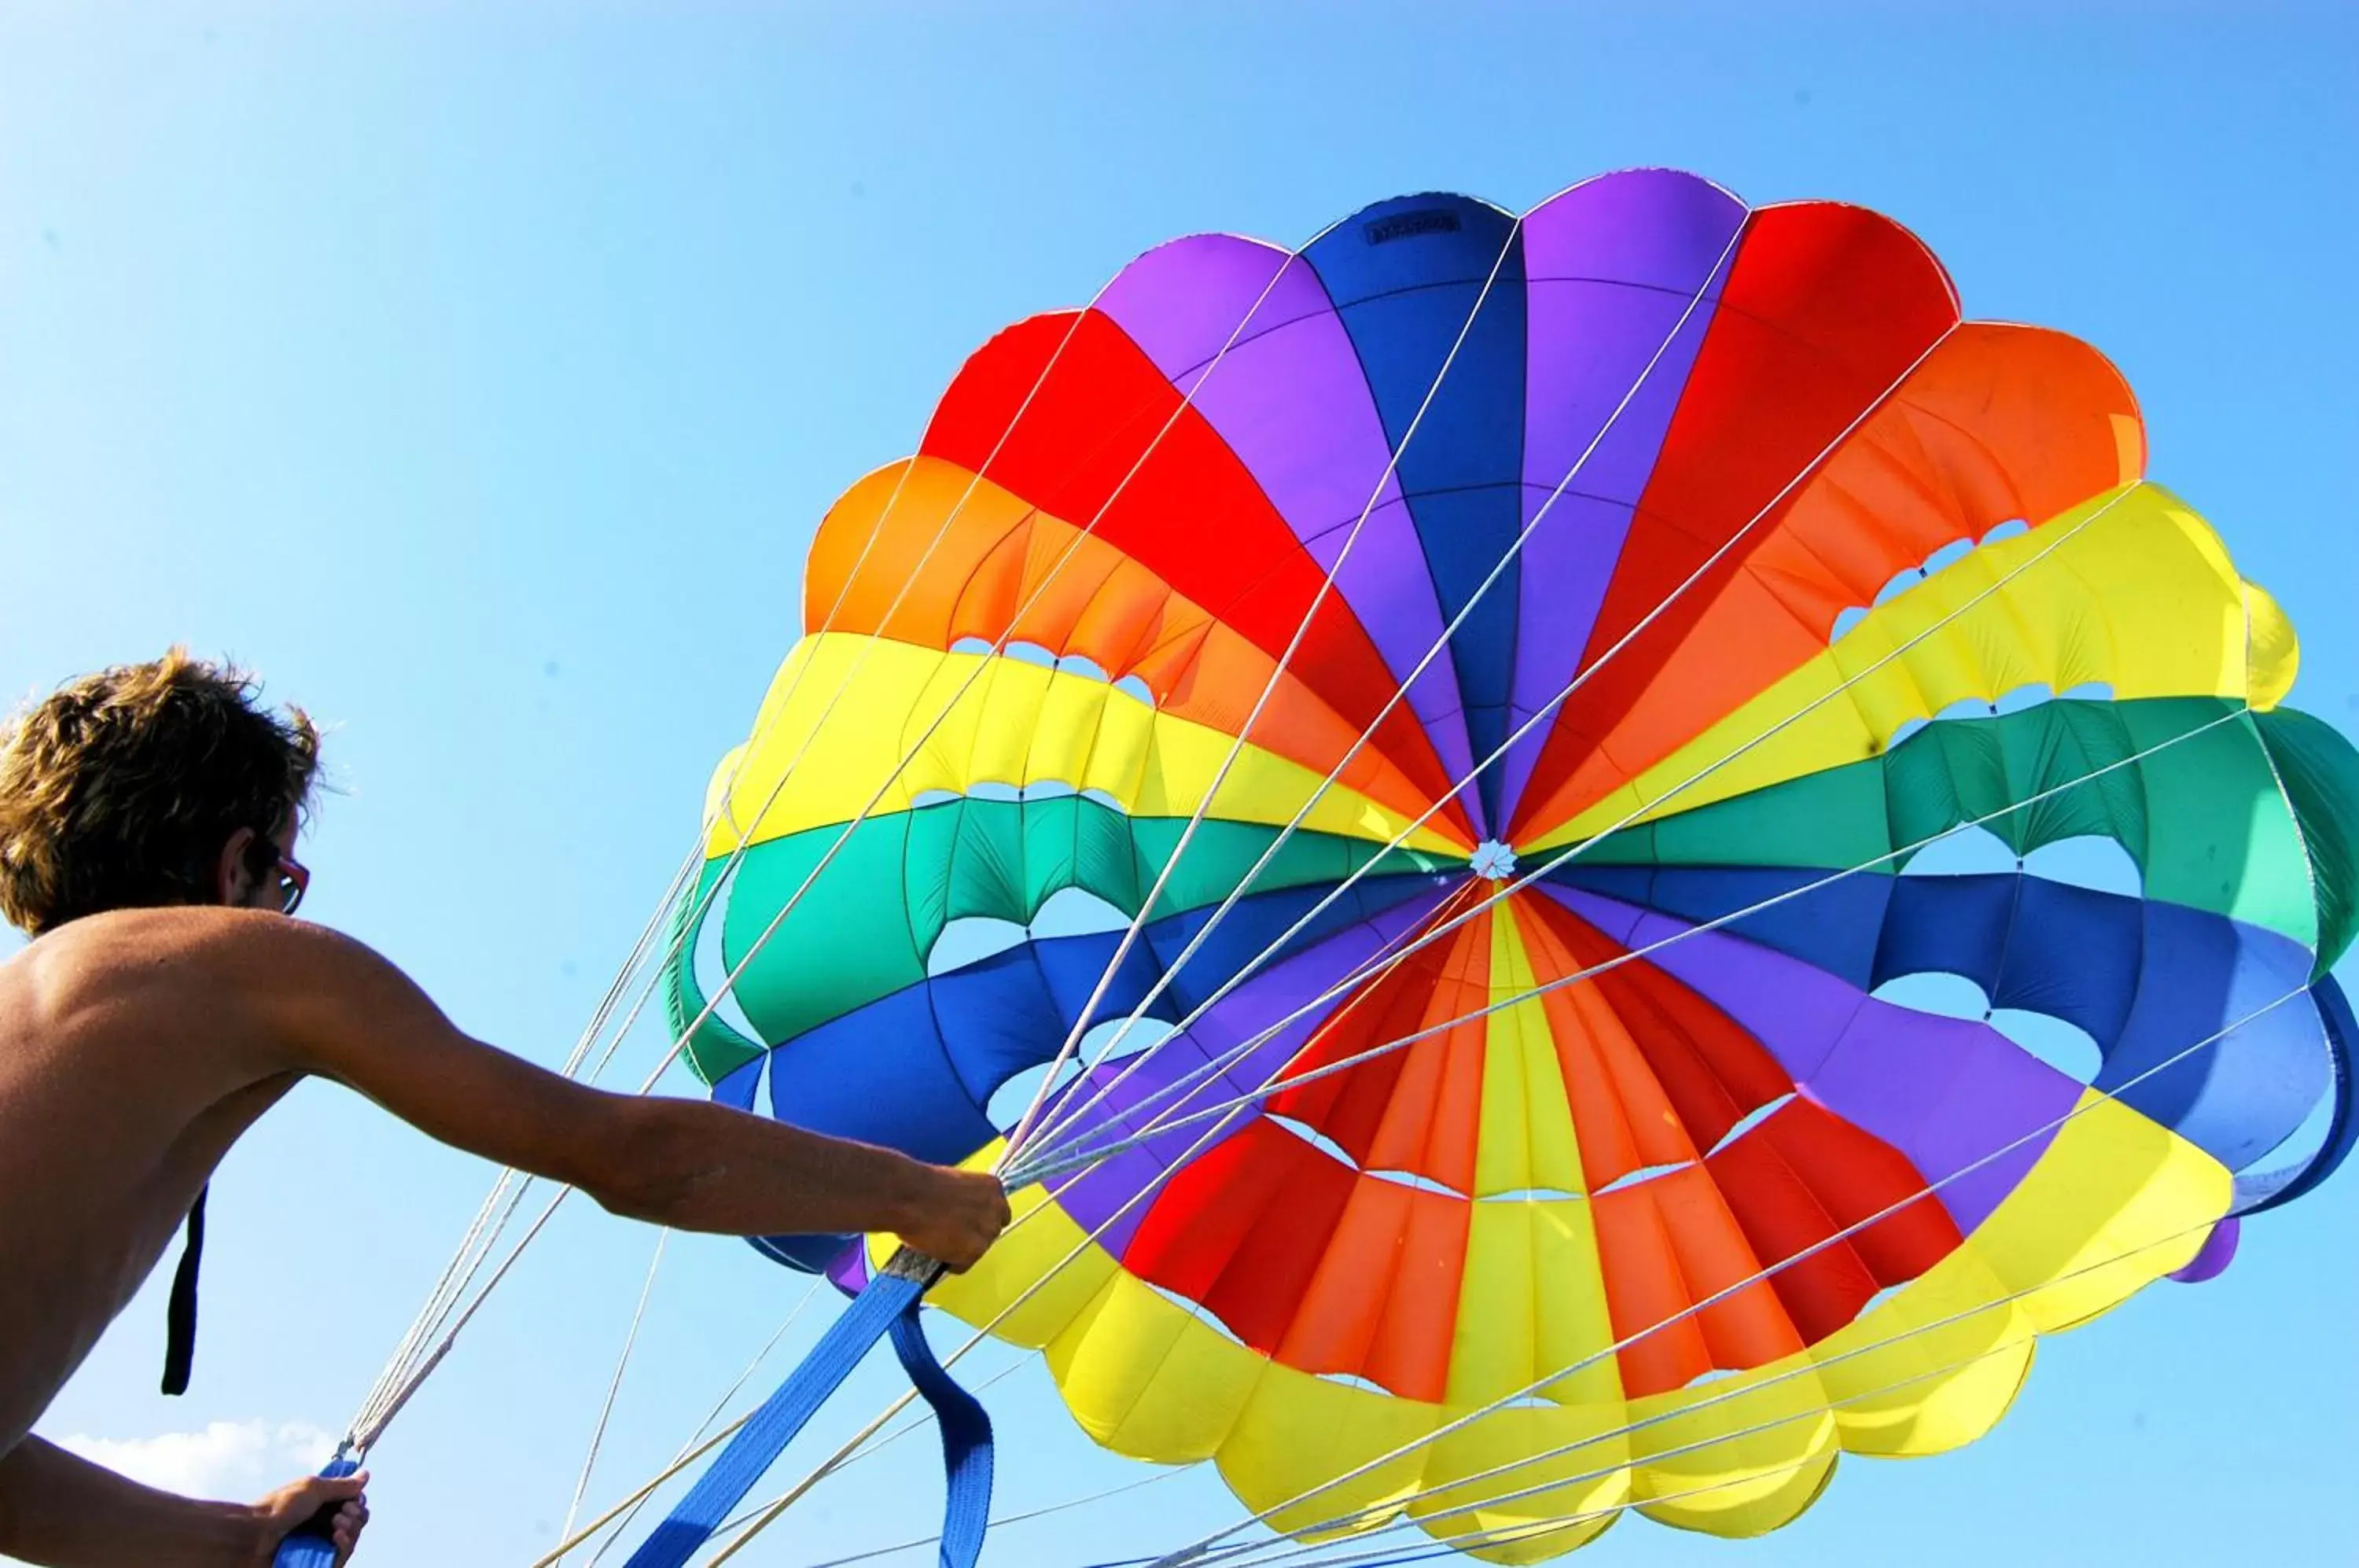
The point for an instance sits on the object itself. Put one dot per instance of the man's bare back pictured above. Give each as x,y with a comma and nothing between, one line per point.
109,1128
138,1045
135,1046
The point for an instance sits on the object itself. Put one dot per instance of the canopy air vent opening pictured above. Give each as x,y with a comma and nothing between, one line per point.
1970,851
1937,991
1013,1097
1493,861
2065,1047
2088,860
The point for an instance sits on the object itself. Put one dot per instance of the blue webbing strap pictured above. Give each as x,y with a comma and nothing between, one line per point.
310,1546
889,1306
966,1442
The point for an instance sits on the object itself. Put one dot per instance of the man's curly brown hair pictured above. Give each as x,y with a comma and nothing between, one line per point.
119,789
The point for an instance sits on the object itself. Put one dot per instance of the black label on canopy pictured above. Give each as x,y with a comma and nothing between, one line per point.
1407,225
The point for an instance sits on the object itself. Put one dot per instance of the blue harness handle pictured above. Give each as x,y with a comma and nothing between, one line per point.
309,1545
889,1306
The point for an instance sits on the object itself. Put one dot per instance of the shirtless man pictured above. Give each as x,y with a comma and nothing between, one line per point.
147,825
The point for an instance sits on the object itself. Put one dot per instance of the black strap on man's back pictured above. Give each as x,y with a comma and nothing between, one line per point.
181,1317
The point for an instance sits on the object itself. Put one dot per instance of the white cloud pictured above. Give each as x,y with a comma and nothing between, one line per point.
226,1459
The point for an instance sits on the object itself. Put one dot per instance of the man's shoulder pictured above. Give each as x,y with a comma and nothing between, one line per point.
154,931
117,982
181,945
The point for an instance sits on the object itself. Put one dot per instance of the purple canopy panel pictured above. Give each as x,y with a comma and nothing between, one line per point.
1612,266
2212,1259
1971,1110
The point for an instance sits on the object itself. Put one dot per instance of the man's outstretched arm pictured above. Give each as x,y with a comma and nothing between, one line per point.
60,1509
330,1006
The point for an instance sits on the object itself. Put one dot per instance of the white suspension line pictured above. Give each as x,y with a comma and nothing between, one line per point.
620,1509
981,664
817,1284
1580,678
1359,1518
834,1462
2014,806
844,1455
1049,1158
614,1388
909,754
1041,1282
1182,1159
438,1307
429,1318
849,1451
1277,674
852,1446
1291,1547
423,1324
1051,1126
408,1350
1197,817
1629,955
401,1380
868,544
453,1283
2102,1096
1286,1550
1002,1520
374,1426
363,1436
401,1389
395,1400
760,1515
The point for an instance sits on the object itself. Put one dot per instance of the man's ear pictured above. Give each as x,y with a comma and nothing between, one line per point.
233,871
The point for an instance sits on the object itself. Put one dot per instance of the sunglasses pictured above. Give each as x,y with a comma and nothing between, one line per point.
294,878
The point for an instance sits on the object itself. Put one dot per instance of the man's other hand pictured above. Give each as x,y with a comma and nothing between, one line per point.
295,1505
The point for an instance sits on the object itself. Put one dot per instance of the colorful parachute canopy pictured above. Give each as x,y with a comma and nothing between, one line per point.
1636,603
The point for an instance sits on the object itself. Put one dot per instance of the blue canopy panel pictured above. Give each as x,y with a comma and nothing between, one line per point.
948,1043
2149,982
1410,309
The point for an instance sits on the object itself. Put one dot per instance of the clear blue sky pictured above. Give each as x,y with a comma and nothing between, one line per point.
477,373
